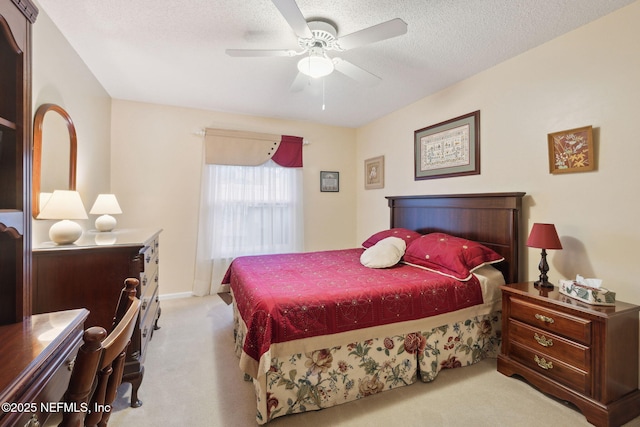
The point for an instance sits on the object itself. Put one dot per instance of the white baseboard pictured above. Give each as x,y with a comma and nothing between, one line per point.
176,295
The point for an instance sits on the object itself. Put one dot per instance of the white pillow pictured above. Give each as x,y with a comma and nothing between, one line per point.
386,253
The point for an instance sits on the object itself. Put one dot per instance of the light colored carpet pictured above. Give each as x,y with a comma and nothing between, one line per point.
192,379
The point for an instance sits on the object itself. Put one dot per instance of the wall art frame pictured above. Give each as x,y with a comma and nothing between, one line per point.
447,149
571,151
329,181
374,173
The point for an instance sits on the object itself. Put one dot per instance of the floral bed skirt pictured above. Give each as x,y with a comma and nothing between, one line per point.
328,377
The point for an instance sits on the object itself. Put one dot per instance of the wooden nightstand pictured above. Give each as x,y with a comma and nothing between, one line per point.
584,354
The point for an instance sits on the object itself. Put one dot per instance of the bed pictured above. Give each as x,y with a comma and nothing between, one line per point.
318,329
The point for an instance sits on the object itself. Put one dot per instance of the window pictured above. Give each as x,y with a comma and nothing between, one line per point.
246,210
255,209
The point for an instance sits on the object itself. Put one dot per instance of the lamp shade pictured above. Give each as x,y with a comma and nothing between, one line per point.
106,204
63,204
544,236
43,198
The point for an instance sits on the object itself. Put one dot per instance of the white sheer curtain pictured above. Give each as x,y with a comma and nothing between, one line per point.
245,210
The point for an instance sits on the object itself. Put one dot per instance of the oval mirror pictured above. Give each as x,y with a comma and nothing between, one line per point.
54,153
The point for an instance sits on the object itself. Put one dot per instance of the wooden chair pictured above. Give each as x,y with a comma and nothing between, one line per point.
97,372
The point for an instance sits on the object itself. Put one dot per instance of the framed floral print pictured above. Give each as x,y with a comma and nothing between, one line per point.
571,150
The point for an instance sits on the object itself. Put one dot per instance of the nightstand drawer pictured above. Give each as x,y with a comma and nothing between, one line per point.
544,342
572,327
552,368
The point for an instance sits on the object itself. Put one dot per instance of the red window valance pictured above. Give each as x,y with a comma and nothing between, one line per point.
230,147
289,153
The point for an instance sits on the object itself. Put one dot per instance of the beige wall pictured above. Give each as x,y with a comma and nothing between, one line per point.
156,160
150,157
60,77
590,76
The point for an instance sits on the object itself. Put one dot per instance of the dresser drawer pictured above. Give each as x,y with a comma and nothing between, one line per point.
147,322
148,304
549,344
149,275
574,328
150,254
148,283
552,368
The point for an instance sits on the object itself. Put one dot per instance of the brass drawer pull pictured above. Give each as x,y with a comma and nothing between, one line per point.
543,341
544,318
542,363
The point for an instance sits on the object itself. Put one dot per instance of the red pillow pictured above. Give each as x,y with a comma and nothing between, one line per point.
449,255
405,234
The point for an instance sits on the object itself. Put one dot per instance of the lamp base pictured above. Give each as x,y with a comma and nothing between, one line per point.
65,232
105,223
543,284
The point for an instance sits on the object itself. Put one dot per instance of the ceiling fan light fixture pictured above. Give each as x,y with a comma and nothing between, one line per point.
315,65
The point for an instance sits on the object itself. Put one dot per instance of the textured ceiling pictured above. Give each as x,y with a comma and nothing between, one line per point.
172,52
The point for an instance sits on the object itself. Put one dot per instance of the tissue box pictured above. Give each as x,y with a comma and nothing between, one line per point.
595,296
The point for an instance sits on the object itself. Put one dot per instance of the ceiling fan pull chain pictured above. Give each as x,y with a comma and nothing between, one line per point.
323,94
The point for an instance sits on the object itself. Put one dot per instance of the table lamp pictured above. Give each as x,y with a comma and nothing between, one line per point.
544,236
105,206
64,205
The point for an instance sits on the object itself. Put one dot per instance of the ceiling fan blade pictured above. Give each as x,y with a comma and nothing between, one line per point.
299,83
260,52
291,13
376,33
356,73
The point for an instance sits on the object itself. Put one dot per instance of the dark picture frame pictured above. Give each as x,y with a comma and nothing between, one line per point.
447,149
571,150
329,181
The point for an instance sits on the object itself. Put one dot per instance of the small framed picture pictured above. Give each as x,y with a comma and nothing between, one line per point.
571,150
329,181
374,173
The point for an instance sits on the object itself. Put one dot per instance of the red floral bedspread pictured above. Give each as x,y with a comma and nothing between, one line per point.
292,296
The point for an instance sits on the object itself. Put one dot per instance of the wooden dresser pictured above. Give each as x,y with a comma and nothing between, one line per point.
36,360
90,274
584,354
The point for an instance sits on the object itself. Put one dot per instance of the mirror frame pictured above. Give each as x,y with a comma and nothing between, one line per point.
37,152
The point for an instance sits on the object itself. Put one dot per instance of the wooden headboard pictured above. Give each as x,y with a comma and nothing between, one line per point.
492,219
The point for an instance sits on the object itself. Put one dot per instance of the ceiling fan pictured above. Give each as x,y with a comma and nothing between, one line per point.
316,38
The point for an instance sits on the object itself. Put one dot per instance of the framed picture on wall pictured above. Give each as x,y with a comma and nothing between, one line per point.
374,173
450,148
571,150
329,181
